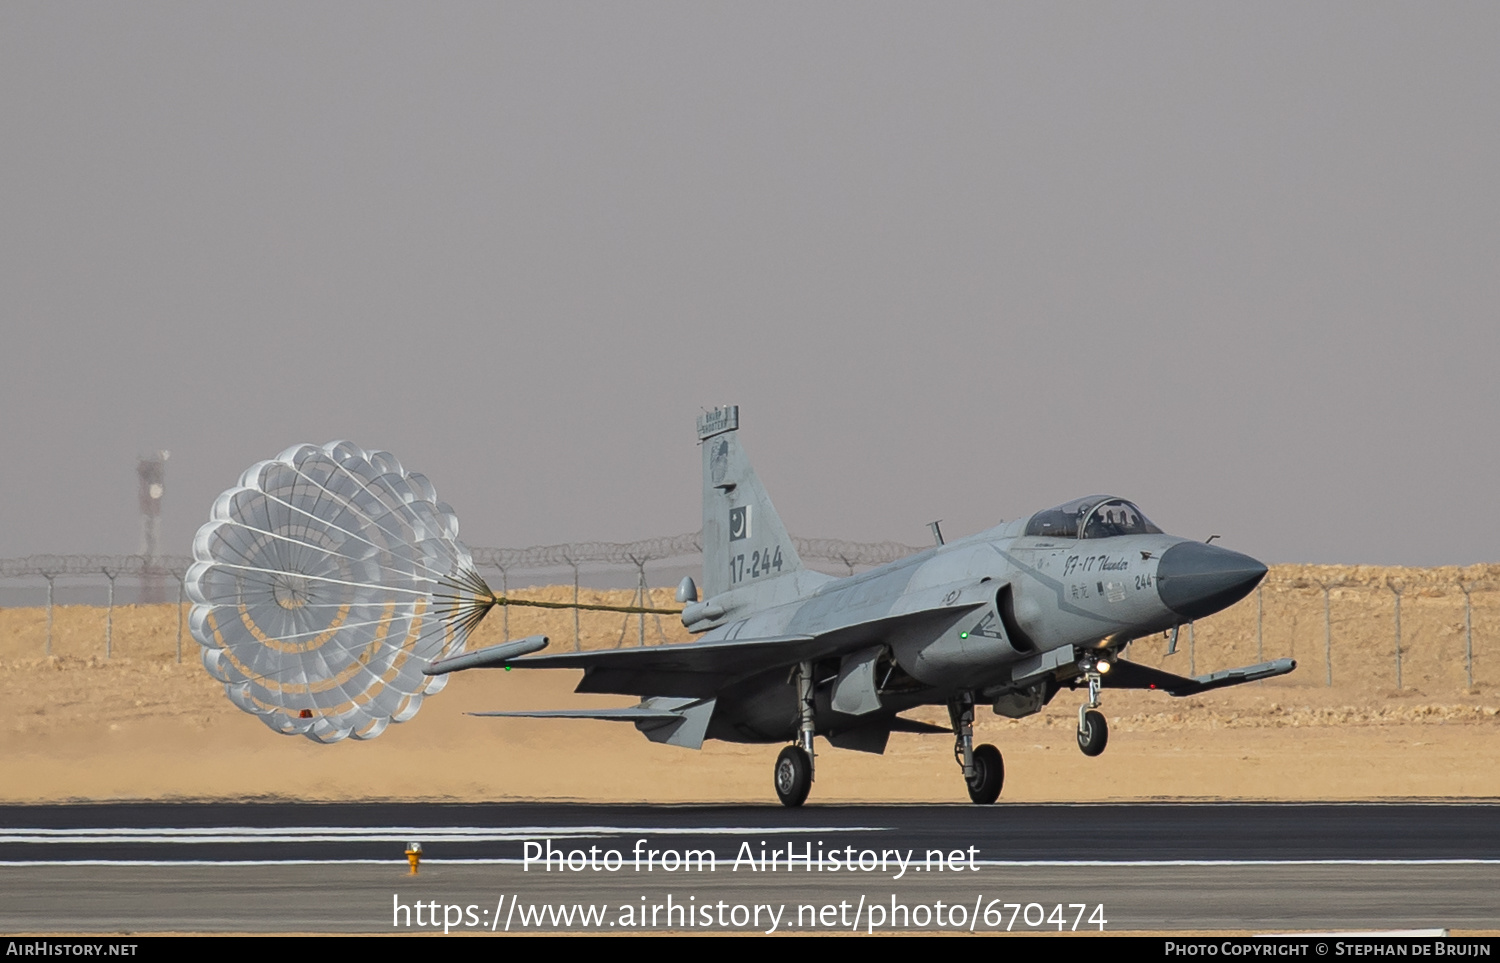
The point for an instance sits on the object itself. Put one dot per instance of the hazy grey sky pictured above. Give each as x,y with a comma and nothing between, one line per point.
1238,262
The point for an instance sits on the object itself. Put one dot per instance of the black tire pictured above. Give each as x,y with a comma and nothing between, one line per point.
1093,734
793,776
989,775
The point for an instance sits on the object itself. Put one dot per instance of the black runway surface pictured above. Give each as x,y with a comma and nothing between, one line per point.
1133,832
286,867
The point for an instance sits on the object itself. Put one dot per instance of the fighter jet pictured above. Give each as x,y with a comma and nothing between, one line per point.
1006,618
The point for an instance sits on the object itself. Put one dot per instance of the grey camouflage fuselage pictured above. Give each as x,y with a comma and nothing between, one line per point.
1005,617
1001,614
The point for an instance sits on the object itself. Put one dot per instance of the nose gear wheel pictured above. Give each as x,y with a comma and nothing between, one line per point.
1093,733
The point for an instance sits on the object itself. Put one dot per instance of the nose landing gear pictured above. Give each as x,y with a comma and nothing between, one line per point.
1093,731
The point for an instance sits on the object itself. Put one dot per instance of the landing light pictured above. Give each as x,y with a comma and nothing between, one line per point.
1103,667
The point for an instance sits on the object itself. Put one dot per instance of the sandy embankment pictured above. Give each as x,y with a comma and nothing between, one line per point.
140,725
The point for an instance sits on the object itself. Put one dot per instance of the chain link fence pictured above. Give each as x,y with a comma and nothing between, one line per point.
1394,629
110,581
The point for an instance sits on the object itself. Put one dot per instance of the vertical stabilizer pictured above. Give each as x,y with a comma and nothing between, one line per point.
743,539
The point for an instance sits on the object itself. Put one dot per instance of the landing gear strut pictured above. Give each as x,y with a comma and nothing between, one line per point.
983,766
1093,731
794,767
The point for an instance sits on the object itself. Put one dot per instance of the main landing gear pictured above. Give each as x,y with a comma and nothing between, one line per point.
1093,731
794,767
983,766
794,773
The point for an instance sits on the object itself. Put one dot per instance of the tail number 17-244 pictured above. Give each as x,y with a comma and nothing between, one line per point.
761,562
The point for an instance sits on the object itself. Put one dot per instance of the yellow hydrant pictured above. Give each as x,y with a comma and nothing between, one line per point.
414,856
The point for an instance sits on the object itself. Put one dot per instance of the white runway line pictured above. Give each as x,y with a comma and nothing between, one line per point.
817,866
1238,862
386,834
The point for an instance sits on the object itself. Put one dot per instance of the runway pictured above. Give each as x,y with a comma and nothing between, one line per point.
284,867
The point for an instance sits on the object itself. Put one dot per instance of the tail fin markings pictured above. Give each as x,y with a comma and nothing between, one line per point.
744,541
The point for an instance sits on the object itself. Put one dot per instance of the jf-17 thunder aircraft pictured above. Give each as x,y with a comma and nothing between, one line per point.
1006,618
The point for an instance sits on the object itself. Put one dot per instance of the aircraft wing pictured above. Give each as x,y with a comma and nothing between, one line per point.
1133,675
691,669
700,669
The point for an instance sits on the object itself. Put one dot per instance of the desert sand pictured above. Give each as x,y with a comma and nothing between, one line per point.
141,725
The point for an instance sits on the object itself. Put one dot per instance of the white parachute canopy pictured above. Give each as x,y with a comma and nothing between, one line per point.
324,584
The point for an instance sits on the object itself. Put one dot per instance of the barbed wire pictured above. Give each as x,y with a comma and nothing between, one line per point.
1421,579
678,546
853,554
572,554
578,553
51,566
634,554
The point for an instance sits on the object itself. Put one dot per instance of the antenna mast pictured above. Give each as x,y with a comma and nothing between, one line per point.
152,471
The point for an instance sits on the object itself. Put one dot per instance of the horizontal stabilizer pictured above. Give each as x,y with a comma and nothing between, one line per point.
490,657
899,724
676,722
627,714
1132,675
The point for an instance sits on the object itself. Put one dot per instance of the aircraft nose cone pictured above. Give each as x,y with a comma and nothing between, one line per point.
1195,580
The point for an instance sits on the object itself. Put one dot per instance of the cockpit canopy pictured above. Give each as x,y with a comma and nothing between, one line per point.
1097,516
